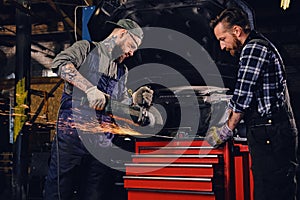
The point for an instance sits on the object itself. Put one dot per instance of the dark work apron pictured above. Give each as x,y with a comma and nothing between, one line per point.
272,142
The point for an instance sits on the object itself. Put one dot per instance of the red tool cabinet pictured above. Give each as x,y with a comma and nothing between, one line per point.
182,169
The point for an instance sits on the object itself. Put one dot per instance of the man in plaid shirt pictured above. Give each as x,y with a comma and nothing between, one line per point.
260,98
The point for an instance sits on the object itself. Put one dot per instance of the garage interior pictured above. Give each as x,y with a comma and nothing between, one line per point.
53,25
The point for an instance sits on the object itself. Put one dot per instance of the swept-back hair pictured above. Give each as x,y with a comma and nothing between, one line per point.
230,17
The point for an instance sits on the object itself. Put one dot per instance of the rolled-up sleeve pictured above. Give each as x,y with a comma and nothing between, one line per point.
75,54
253,58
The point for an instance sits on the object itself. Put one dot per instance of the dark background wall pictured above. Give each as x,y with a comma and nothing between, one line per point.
51,33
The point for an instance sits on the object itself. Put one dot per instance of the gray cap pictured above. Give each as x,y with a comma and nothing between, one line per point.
129,25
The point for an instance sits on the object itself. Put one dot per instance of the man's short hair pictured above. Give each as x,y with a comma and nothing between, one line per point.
230,17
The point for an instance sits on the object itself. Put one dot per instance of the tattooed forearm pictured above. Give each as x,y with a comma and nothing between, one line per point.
234,119
71,74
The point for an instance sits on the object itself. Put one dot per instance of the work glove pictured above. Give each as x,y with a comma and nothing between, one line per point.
218,135
96,98
143,96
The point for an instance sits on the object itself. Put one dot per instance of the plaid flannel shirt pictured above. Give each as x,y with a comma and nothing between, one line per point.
260,81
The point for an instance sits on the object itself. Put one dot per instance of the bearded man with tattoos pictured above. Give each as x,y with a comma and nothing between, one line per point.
93,74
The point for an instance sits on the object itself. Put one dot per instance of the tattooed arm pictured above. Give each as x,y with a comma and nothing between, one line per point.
70,73
68,61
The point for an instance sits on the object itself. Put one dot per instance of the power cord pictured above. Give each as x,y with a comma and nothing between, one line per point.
57,149
75,21
57,164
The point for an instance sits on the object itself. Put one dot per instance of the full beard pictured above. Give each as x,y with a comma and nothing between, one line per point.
117,53
237,47
120,59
